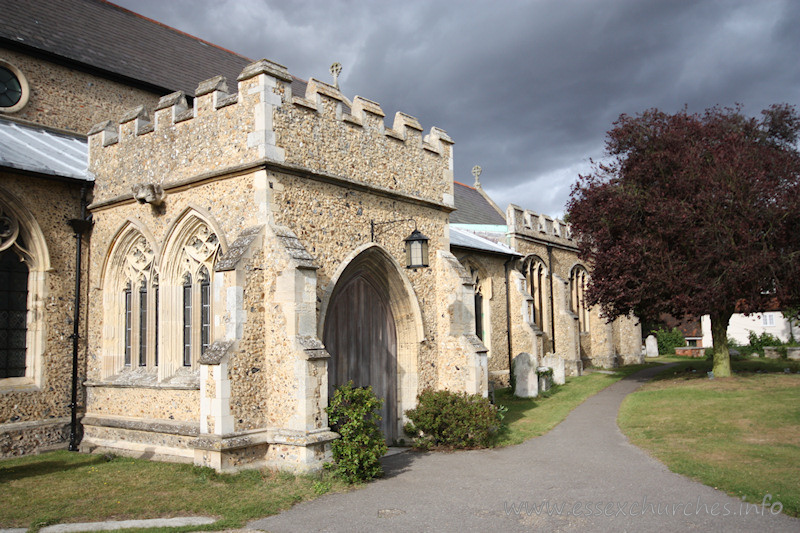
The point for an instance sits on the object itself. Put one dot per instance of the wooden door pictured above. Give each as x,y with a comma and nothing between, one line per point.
360,336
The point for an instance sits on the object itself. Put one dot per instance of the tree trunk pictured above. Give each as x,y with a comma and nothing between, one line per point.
719,333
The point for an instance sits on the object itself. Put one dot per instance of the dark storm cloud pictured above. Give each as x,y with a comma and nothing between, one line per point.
526,89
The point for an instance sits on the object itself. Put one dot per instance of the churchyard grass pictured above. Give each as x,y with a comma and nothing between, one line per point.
739,434
531,417
63,486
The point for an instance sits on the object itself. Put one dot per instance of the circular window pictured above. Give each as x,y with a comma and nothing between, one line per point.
13,89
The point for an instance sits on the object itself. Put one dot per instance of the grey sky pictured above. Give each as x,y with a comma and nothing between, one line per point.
526,89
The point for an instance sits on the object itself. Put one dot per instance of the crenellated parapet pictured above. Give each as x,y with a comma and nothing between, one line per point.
540,227
320,132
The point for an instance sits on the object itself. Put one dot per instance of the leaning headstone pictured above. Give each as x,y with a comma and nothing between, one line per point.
651,346
558,366
527,382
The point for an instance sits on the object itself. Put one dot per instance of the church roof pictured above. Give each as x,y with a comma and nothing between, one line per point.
116,41
461,238
472,207
37,149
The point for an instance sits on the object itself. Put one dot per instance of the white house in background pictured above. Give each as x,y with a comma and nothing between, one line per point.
772,322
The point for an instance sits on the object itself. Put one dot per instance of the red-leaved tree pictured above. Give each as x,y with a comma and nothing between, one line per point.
693,214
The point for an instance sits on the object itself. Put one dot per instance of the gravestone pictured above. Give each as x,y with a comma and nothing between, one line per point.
558,366
771,352
527,382
545,379
651,346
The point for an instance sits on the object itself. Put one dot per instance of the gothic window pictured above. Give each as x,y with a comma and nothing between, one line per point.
535,276
187,268
128,323
24,266
143,339
130,302
13,314
483,295
577,282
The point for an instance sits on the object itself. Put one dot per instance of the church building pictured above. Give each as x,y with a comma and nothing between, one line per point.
212,245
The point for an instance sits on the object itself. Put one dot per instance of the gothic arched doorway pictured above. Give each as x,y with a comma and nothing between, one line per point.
360,335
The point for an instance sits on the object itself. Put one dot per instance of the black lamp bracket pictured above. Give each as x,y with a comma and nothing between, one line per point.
373,226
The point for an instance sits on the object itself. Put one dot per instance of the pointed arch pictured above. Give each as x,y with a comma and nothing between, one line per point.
130,301
483,295
578,281
378,278
535,271
26,266
192,246
196,229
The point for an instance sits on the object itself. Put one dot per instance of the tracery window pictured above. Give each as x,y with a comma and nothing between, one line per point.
577,281
13,314
159,305
535,276
24,266
196,315
140,338
188,261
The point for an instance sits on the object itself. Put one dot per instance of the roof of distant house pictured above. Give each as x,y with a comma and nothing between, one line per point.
116,41
472,207
43,151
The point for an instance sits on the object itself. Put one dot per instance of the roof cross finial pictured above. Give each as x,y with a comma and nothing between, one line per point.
336,69
476,171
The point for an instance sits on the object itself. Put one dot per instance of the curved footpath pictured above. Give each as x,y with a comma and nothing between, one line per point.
584,471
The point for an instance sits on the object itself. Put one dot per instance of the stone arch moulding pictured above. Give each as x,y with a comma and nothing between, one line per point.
405,309
129,262
124,231
189,288
30,245
578,279
483,296
183,224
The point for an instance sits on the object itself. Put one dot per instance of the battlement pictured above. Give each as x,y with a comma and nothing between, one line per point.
526,223
321,131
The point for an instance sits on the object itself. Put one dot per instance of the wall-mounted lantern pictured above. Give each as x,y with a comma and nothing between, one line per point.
416,250
416,243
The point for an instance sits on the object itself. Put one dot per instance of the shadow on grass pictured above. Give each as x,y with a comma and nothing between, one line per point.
699,368
45,468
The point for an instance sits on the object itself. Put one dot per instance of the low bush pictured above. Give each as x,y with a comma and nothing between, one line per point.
757,342
668,340
353,413
456,420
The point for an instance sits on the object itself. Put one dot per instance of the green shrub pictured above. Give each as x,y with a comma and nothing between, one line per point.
457,420
353,413
757,342
668,340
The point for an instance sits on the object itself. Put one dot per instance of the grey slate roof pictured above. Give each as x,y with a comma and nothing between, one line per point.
464,239
107,37
473,208
39,150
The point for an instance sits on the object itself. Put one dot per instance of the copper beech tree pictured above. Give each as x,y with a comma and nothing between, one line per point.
693,214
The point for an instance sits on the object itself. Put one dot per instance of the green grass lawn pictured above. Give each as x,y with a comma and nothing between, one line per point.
527,418
738,434
60,487
64,486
